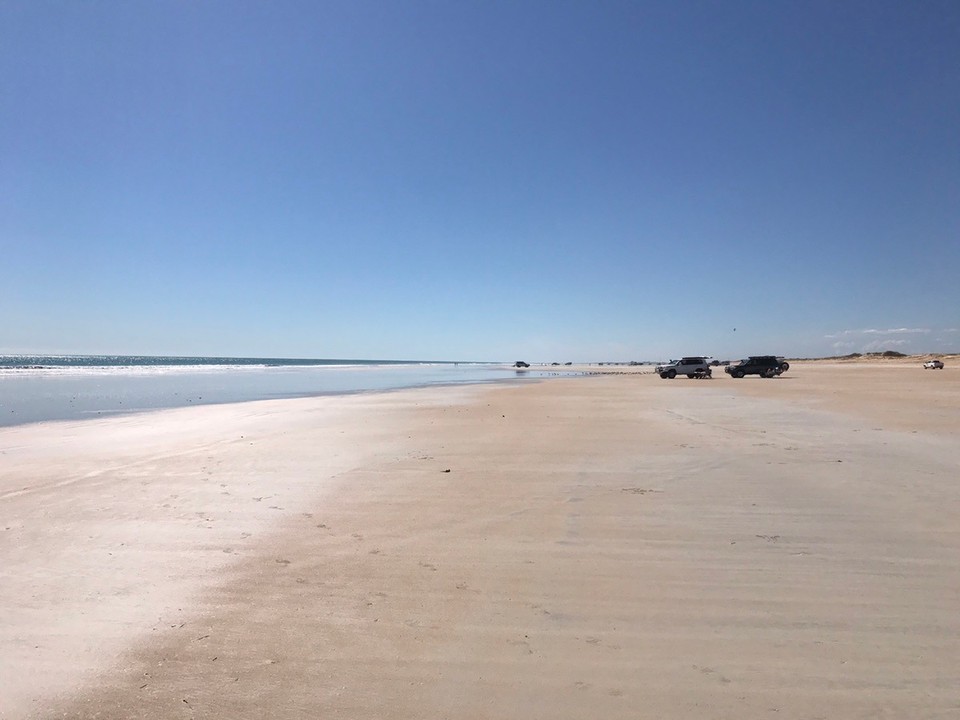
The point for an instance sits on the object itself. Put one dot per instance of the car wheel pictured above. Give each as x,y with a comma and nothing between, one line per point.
768,373
663,376
737,373
671,374
784,366
690,375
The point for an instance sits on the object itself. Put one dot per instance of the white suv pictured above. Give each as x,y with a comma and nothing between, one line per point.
690,366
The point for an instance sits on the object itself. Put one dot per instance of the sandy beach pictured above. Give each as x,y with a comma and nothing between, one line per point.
611,546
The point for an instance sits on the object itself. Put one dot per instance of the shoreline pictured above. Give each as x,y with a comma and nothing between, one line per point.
601,545
87,393
187,486
189,386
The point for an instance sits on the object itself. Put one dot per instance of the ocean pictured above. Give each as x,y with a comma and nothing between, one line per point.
37,388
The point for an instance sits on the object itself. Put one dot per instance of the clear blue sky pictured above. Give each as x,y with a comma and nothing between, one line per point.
479,180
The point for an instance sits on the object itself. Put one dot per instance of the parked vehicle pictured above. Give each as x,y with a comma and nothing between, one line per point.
933,365
766,366
695,366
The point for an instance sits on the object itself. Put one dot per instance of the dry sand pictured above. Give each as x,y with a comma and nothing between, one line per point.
597,547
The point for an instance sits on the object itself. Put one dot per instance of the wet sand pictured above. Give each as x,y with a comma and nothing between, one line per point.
613,546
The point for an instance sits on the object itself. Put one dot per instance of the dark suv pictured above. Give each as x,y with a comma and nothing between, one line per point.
765,366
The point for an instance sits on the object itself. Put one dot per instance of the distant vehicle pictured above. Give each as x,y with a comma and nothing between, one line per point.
521,364
766,366
933,365
692,367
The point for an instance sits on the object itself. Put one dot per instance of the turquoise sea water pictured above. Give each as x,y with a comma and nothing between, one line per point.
35,388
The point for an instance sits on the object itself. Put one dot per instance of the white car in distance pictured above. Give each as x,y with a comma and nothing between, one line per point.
692,367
